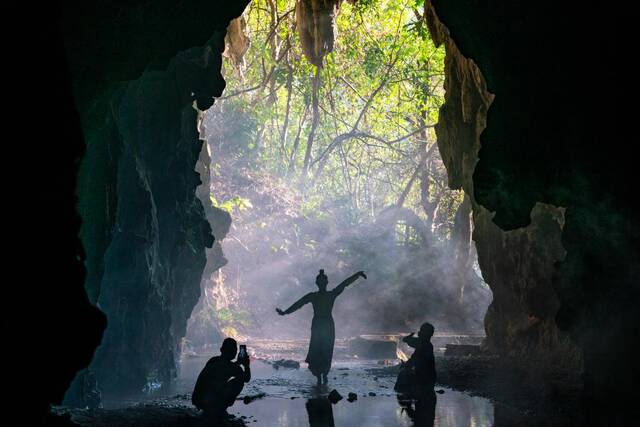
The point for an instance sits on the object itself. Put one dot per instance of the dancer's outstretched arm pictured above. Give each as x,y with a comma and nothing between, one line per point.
338,289
296,305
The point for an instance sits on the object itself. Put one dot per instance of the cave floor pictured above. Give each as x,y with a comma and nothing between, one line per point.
278,397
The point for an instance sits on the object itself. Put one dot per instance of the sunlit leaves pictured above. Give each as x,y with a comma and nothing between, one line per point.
373,60
384,69
235,203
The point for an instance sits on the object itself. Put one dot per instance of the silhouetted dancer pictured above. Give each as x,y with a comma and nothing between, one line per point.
322,327
419,372
221,380
320,412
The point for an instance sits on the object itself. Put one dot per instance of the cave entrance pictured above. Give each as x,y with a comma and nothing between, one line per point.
322,151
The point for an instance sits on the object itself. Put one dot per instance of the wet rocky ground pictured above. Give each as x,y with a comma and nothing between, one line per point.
474,391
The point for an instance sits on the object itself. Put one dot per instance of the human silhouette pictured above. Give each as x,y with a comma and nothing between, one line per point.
420,370
322,326
320,412
221,380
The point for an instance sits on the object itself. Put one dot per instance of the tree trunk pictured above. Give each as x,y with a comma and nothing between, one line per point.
429,207
314,124
409,185
296,142
285,126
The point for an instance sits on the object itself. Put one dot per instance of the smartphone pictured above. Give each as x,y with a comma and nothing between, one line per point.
242,354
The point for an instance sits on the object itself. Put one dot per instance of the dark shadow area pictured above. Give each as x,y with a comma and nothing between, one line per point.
88,48
545,141
47,317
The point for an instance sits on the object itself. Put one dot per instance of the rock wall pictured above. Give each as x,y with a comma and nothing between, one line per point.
550,138
220,221
518,265
236,42
156,253
50,327
144,229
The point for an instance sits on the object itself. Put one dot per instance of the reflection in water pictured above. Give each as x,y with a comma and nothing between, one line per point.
452,409
286,405
293,401
460,409
424,412
320,412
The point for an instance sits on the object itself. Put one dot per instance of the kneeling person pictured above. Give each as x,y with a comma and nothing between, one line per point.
419,372
221,380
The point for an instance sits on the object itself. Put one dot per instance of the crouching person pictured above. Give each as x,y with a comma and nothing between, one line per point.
419,372
221,380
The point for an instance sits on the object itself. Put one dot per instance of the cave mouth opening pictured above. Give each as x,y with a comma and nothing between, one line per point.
322,151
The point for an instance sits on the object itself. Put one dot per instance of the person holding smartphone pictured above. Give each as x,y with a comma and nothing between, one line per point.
222,379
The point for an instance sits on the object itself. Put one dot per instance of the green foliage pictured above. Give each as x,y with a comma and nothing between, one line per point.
381,86
228,320
236,203
378,97
364,5
373,60
227,317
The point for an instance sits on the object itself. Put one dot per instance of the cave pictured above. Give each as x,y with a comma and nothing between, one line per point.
530,131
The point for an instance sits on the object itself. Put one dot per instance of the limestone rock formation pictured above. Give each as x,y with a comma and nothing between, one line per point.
85,51
156,254
316,25
144,229
518,265
546,141
236,41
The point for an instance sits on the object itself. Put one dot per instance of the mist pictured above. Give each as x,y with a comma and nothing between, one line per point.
335,169
275,247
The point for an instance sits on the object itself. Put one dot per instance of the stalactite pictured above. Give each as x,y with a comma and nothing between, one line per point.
236,42
316,25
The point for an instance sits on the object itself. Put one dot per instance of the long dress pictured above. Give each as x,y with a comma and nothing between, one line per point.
323,333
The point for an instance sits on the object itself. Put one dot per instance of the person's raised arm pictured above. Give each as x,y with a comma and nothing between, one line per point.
411,340
338,289
296,305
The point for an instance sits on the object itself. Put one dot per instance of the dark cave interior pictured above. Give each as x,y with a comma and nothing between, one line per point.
519,151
